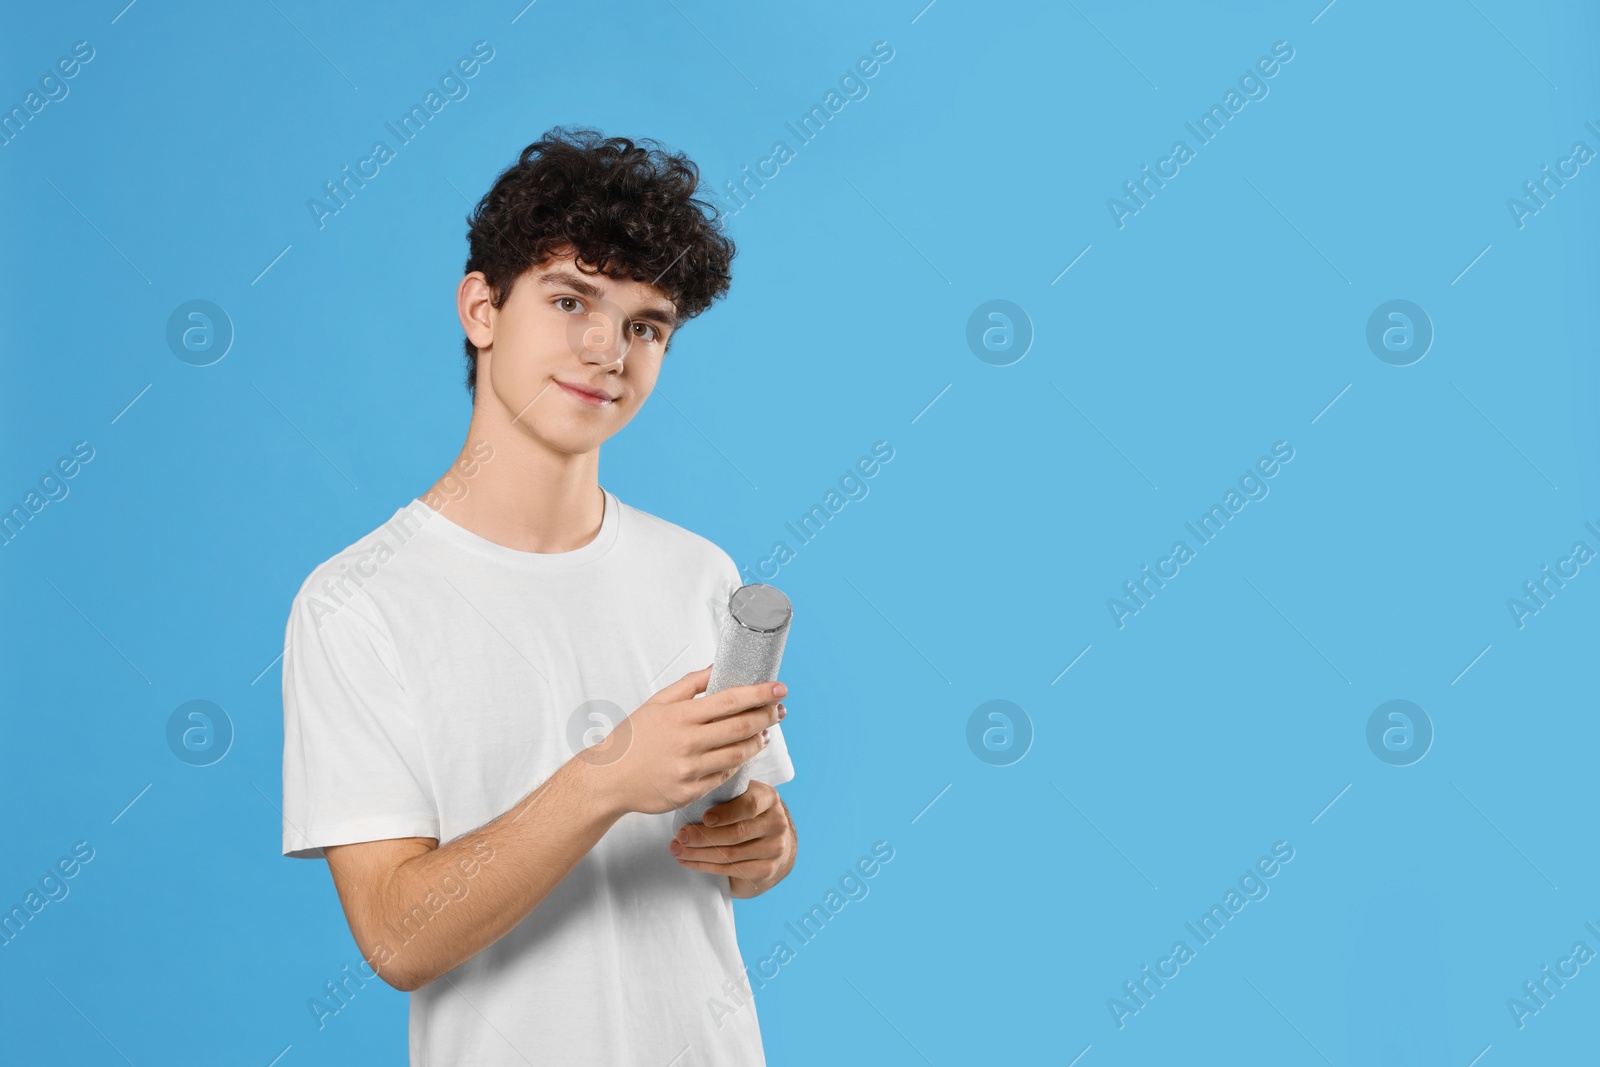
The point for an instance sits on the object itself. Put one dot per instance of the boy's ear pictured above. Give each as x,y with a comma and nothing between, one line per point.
475,308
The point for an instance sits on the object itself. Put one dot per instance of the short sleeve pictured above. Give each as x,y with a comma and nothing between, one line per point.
772,764
352,760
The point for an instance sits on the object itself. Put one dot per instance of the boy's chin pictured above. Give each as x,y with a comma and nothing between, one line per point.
569,440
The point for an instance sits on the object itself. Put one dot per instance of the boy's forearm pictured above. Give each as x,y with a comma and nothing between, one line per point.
521,856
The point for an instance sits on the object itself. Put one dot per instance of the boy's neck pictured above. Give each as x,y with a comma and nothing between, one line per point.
525,496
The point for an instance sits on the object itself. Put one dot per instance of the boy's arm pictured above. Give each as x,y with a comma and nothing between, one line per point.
508,866
672,750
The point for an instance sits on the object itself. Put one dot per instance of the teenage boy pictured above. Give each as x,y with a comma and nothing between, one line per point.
457,684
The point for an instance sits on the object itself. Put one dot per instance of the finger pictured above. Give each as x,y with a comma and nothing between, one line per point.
768,824
736,728
762,849
685,688
754,870
736,699
728,758
752,802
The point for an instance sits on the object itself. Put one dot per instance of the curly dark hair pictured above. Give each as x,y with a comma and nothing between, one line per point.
628,208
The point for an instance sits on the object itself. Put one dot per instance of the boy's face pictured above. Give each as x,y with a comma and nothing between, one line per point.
561,333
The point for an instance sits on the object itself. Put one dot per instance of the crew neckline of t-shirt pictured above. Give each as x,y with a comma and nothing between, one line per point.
610,526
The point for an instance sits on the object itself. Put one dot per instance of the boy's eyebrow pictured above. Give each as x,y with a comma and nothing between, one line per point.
566,278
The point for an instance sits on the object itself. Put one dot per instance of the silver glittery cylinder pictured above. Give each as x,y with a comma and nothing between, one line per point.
749,649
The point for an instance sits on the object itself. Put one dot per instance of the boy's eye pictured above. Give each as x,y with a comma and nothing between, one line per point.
564,300
654,333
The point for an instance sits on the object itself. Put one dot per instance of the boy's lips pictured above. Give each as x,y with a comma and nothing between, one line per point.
583,393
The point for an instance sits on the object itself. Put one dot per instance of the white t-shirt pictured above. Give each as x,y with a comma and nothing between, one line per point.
431,679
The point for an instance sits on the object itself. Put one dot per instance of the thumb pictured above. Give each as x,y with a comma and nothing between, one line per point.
687,687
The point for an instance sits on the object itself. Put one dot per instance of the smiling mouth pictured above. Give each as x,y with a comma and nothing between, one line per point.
585,396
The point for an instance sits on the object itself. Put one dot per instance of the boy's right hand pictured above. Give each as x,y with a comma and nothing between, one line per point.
677,746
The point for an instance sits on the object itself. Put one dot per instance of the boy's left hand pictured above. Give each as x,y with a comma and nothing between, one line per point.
750,838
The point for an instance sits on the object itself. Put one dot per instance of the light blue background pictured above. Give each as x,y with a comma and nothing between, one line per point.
1222,318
